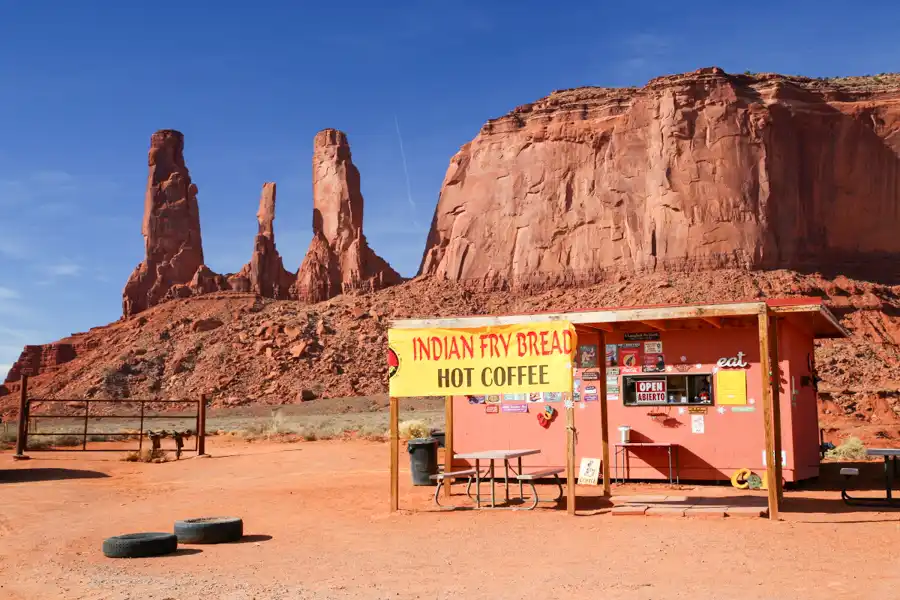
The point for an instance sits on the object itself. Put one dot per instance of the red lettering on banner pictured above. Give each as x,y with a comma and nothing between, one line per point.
521,344
533,343
567,342
544,350
506,341
453,350
468,344
555,346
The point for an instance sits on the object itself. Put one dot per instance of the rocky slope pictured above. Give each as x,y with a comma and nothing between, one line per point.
243,349
692,171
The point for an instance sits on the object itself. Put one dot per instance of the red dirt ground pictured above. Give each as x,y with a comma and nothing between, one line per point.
324,504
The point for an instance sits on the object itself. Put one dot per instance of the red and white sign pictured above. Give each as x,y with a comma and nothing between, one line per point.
651,391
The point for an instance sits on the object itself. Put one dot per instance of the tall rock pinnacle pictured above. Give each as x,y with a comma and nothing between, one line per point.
265,271
339,258
171,228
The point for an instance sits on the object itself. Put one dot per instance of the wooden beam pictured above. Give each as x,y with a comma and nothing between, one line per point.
714,321
776,404
570,447
604,417
22,423
655,325
771,460
448,441
395,455
592,318
597,327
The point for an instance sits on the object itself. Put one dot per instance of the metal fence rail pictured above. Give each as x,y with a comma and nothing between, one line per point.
27,419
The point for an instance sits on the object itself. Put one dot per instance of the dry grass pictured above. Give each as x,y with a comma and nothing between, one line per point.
851,449
44,442
147,456
413,429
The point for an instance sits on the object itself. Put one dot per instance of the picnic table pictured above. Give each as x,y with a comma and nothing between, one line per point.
477,475
890,472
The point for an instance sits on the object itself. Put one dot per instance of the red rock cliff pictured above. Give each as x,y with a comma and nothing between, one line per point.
171,228
339,258
691,171
265,272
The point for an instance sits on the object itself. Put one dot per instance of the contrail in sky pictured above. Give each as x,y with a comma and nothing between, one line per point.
412,204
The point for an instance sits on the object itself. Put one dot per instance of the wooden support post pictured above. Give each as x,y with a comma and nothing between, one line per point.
201,425
776,404
448,441
22,431
772,481
570,446
604,415
395,454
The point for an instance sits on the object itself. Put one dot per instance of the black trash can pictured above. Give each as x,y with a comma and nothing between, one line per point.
440,436
423,460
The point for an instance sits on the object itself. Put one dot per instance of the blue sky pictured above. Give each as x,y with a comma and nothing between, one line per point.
84,84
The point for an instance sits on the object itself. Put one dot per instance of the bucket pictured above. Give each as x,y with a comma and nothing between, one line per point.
423,462
625,432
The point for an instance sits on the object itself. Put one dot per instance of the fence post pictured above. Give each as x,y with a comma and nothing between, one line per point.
201,427
22,432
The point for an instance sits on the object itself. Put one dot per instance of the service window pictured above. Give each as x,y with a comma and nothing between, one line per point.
657,390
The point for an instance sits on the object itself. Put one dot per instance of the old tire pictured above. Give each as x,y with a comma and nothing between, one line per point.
139,545
209,530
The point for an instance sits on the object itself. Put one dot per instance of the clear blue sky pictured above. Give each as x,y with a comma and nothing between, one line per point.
84,84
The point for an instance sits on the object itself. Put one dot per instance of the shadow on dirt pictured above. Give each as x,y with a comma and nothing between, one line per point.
47,474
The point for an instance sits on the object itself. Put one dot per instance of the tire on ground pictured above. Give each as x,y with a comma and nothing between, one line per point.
209,530
138,545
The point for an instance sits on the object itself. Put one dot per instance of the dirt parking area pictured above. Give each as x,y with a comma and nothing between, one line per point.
317,526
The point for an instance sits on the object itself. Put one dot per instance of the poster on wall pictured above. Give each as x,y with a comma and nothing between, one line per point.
552,396
641,336
653,347
653,363
731,387
629,358
698,424
587,356
476,399
492,399
535,397
514,397
514,407
612,355
576,388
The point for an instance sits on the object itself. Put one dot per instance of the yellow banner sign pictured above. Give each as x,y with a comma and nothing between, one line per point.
511,359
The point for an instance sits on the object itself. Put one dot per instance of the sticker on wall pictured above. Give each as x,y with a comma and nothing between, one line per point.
491,408
518,407
569,404
684,359
587,356
721,410
743,408
476,399
612,355
751,401
783,458
589,471
681,410
517,398
612,372
590,376
582,405
698,366
552,396
669,369
612,397
641,336
535,397
653,348
697,410
493,399
698,424
591,398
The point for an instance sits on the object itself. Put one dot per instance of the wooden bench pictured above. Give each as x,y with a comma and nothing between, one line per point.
530,478
449,476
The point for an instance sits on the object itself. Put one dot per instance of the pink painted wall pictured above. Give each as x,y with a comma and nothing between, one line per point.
731,440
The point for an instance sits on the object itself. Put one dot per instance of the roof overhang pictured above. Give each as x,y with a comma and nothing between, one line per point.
818,319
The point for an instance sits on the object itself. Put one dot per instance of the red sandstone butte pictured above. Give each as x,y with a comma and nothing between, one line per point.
693,171
171,228
265,273
339,258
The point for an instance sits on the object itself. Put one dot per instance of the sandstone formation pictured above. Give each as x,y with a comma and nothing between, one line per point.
39,359
171,228
701,170
339,258
265,273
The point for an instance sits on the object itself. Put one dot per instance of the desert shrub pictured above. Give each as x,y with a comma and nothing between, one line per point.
414,429
373,432
147,456
851,449
42,442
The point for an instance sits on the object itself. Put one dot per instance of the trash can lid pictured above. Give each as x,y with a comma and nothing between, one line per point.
422,441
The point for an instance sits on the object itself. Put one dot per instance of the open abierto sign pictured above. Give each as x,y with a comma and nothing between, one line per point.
650,391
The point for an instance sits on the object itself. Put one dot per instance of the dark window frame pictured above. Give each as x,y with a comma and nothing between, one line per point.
628,394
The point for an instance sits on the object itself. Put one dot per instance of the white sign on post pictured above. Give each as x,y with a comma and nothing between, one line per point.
589,471
650,391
